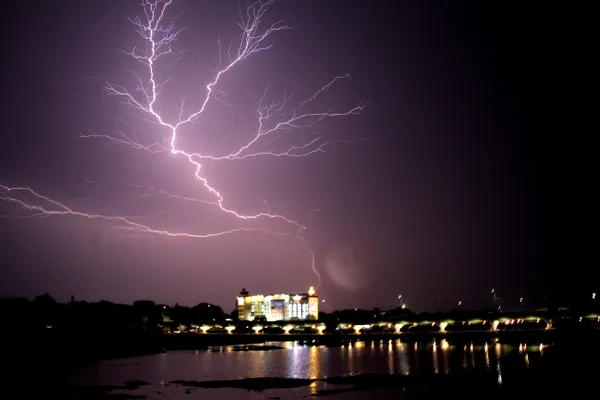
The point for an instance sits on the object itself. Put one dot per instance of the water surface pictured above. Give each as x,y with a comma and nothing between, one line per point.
428,367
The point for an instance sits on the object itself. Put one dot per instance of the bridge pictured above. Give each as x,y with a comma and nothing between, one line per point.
497,324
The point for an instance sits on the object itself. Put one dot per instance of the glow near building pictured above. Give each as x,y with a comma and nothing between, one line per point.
278,307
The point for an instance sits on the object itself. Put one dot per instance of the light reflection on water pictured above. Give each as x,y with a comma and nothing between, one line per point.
402,353
498,350
307,362
436,367
390,357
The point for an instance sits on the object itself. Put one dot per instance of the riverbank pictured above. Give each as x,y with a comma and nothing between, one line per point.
74,348
199,341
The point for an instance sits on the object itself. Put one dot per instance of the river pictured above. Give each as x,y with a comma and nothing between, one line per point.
406,370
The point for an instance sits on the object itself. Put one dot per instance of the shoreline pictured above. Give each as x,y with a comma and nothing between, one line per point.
73,349
48,360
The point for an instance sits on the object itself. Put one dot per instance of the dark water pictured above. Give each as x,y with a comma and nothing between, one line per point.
425,370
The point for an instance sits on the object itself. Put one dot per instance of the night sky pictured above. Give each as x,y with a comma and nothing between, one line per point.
444,202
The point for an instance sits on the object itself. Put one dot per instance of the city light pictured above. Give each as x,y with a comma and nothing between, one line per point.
278,307
495,325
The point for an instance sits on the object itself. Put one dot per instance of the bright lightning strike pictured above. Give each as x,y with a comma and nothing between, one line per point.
274,120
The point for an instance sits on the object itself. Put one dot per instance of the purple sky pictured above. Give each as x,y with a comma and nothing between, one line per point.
444,202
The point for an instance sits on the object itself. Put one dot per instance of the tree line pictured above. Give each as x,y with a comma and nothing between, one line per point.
45,313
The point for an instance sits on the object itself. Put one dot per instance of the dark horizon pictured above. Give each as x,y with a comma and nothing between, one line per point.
507,306
446,200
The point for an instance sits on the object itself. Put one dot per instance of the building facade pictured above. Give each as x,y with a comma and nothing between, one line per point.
278,307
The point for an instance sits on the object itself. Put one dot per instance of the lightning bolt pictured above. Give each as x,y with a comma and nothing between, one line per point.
275,119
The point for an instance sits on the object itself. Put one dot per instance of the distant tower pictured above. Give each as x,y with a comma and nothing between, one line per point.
313,304
72,299
240,304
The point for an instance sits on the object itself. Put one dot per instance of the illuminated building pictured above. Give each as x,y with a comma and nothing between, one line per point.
278,307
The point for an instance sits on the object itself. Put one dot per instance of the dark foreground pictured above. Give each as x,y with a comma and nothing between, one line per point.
464,385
